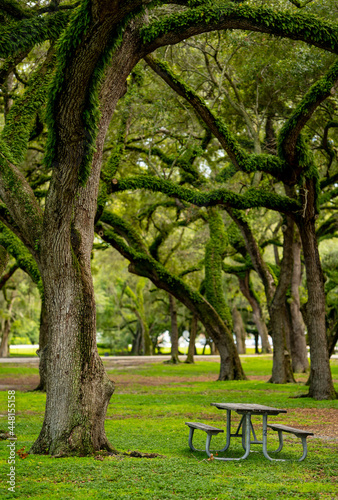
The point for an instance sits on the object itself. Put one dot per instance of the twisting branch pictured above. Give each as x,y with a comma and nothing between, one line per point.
229,15
289,146
243,161
252,198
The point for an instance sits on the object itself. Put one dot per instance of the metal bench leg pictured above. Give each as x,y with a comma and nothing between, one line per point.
303,438
280,447
191,434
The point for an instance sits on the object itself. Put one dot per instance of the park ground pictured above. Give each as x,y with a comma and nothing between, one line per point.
147,412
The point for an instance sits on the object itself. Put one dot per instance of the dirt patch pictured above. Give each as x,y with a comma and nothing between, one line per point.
323,422
20,383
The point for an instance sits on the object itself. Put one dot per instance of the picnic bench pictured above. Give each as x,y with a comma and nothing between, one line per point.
291,430
245,429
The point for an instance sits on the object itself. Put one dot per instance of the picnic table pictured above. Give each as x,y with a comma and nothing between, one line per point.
245,430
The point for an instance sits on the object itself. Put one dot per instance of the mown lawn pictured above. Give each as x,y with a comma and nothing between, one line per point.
147,413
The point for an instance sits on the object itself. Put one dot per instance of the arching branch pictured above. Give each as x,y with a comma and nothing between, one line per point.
252,197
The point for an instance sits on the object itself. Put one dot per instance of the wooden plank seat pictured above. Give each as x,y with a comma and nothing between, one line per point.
291,430
209,429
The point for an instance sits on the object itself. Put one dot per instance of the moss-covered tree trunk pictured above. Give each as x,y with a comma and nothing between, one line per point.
321,385
280,326
78,389
275,295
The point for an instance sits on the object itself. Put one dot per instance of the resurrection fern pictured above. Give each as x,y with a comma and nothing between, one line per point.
299,26
67,46
213,265
21,117
252,198
20,253
26,33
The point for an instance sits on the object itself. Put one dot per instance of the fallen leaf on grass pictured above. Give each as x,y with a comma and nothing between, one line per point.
22,453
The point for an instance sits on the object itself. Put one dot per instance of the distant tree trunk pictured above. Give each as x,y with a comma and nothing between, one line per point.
321,385
332,338
192,340
4,346
239,330
280,327
275,296
174,330
300,362
257,314
136,349
42,351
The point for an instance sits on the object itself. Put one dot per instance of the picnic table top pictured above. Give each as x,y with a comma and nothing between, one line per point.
252,408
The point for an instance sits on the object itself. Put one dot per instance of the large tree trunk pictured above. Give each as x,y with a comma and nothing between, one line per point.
300,362
239,330
321,385
78,389
174,330
244,284
192,340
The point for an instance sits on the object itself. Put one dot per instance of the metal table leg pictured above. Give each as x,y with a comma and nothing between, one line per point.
246,428
265,441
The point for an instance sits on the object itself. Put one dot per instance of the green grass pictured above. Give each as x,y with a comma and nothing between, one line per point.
148,414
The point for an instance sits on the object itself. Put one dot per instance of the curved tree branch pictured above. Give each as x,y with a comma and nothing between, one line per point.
252,198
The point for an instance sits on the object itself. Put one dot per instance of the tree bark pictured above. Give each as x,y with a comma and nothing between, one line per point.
244,284
239,330
300,362
42,351
4,346
321,385
275,296
174,330
280,327
78,389
192,340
